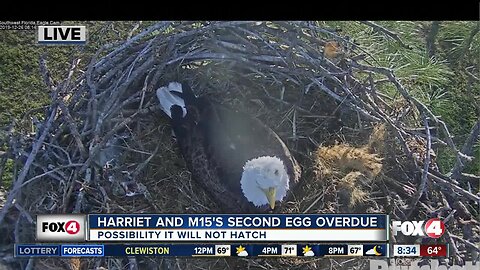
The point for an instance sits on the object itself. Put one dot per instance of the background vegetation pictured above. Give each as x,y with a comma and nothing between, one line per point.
439,62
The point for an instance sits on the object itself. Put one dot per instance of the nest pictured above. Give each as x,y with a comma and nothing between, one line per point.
105,147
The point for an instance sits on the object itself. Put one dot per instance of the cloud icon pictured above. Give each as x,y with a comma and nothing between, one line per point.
309,254
374,251
243,253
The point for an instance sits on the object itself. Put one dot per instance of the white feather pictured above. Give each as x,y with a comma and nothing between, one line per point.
259,174
168,99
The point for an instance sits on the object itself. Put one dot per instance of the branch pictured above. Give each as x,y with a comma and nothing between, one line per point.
430,38
468,41
471,177
456,188
420,106
81,193
128,43
19,181
426,165
342,99
466,242
467,149
389,33
50,172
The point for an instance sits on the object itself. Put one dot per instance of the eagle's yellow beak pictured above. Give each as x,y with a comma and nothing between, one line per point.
271,194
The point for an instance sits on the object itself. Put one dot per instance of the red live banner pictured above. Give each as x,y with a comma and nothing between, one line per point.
433,250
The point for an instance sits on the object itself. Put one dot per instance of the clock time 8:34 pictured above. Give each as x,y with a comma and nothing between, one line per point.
406,250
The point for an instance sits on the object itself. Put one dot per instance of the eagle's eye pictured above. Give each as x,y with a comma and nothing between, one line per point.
276,172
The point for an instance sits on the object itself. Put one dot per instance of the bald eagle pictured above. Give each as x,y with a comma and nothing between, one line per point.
240,162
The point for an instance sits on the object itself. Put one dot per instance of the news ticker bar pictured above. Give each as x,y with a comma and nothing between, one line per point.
204,250
236,250
213,228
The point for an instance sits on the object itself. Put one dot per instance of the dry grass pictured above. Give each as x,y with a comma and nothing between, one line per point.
350,170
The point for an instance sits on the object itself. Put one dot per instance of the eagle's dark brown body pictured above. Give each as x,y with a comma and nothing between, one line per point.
216,142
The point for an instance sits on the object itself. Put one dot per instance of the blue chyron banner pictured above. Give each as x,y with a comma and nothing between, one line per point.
223,227
216,228
212,221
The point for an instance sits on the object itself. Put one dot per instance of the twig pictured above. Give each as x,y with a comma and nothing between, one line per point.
426,164
468,41
456,188
50,172
47,78
158,26
137,25
132,263
450,216
81,193
145,163
340,99
469,176
24,213
467,149
391,34
287,103
73,128
319,197
466,242
420,106
19,181
470,74
30,264
430,38
453,246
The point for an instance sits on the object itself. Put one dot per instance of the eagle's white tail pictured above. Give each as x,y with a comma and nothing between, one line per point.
168,98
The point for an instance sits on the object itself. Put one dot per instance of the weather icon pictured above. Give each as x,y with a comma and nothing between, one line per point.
376,250
307,251
241,251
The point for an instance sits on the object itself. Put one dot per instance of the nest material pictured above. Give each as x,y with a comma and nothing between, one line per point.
350,169
104,146
345,159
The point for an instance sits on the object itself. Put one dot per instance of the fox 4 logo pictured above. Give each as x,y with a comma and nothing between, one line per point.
433,228
61,227
70,227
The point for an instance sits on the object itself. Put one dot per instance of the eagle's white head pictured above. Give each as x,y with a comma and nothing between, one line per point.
264,181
